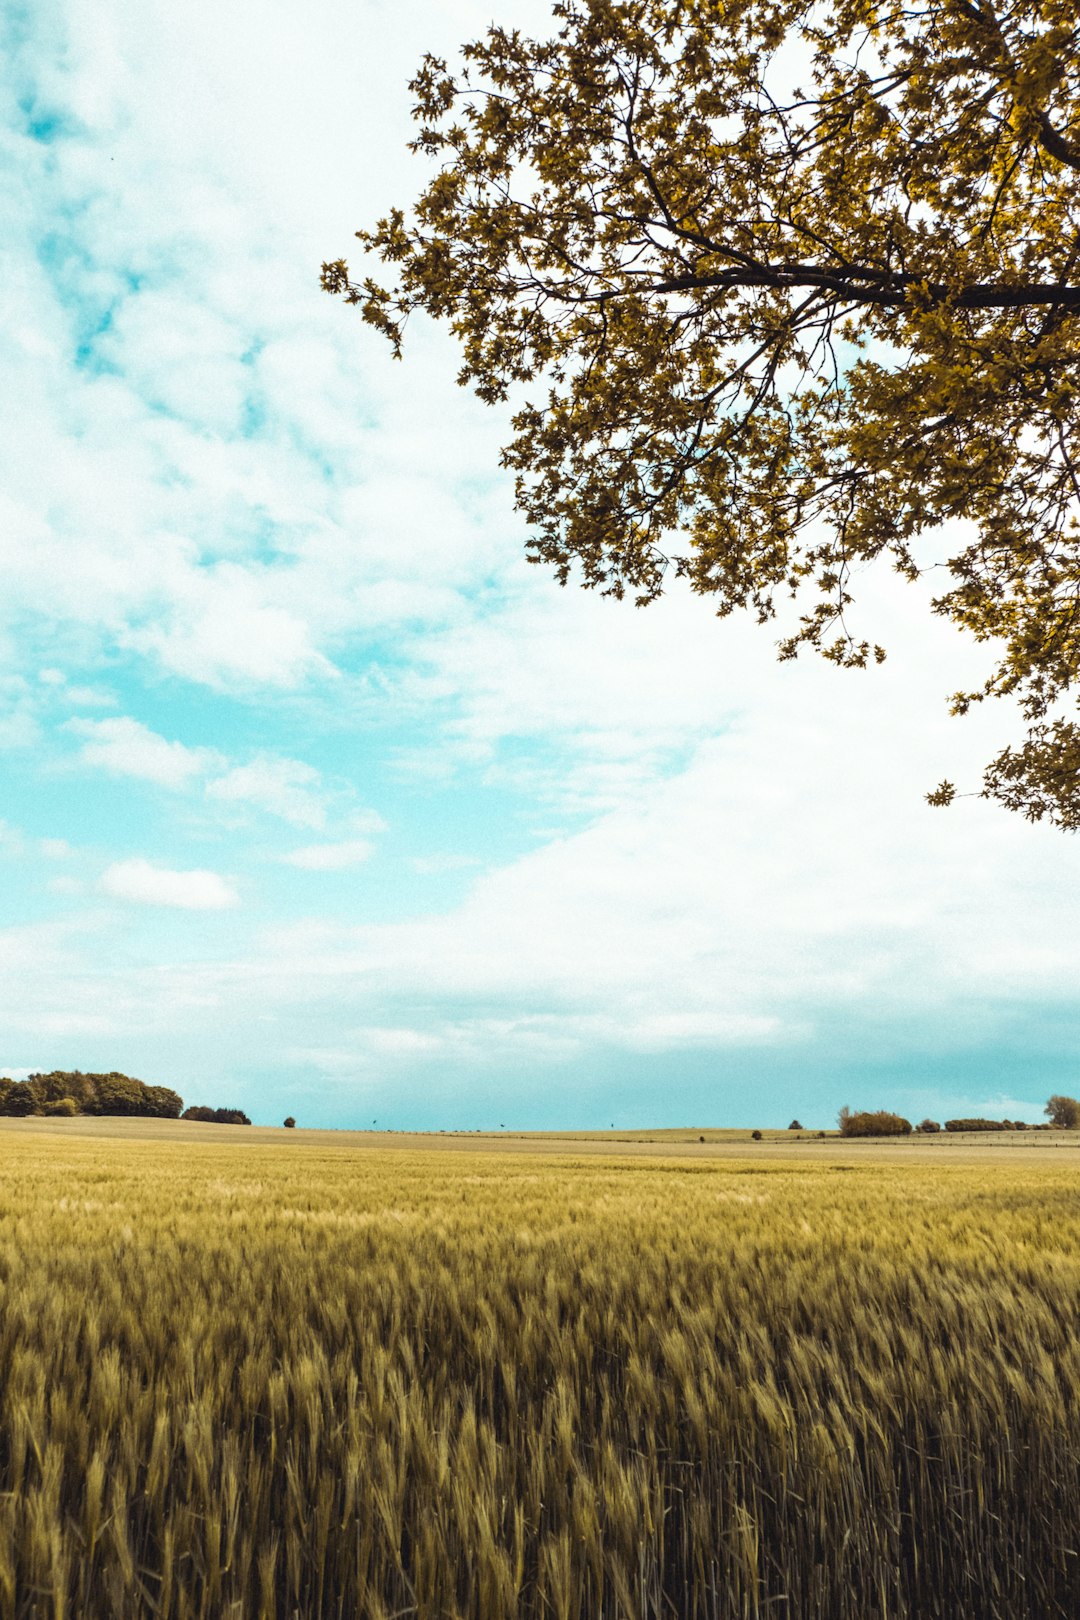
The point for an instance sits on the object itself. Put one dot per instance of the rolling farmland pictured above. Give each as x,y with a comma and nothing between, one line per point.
250,1374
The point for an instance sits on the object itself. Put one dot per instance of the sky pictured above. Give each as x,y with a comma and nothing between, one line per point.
314,797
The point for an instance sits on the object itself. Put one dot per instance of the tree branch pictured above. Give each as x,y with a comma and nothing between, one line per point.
897,291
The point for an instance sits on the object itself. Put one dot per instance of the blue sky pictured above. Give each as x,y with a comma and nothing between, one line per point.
317,799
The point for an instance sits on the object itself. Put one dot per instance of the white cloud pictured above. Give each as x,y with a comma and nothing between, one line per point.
331,857
231,495
364,821
65,885
287,788
39,951
55,849
219,628
89,697
580,703
125,747
688,921
144,883
740,903
396,1042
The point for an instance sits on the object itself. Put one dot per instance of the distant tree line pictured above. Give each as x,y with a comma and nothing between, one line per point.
217,1116
1062,1112
63,1093
987,1125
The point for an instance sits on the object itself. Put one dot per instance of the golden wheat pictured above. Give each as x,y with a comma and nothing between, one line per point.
238,1380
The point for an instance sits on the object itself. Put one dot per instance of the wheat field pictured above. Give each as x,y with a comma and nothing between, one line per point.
251,1377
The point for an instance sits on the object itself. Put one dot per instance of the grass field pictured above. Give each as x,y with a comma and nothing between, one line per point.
264,1374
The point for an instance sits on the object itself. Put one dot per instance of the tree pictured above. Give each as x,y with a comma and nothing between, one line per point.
61,1108
164,1102
290,1123
760,336
879,1122
48,1089
1063,1112
117,1094
16,1099
795,1126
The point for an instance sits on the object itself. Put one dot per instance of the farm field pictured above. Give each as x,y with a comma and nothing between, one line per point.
805,1147
253,1373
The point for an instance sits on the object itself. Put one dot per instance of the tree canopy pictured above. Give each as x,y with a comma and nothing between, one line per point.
777,290
1063,1112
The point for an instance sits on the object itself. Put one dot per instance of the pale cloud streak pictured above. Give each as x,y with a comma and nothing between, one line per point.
286,788
289,789
143,883
331,857
125,747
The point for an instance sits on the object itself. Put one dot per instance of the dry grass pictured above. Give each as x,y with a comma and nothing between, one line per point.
245,1375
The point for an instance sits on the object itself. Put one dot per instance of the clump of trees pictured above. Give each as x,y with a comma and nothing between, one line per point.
927,1127
64,1092
1064,1112
978,1125
873,1123
984,1125
217,1116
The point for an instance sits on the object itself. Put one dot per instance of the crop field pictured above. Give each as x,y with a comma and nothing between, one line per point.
263,1374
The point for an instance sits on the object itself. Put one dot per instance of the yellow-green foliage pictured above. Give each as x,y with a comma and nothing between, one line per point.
271,1381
